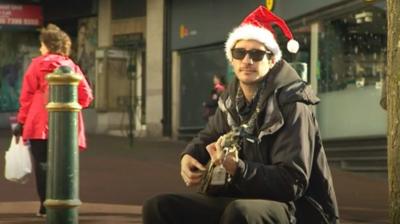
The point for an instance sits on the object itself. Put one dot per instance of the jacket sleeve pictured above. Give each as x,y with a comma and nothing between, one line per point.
85,94
287,175
30,84
215,127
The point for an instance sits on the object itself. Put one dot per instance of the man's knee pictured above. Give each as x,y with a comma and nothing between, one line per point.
236,212
255,211
153,208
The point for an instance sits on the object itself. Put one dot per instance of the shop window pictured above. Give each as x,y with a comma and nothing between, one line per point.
300,61
16,52
352,50
197,69
350,72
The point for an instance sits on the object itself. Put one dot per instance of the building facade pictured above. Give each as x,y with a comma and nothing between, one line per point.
342,55
19,43
151,62
109,43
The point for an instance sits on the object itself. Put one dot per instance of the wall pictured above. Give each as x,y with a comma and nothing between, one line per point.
289,9
197,23
120,22
353,112
154,66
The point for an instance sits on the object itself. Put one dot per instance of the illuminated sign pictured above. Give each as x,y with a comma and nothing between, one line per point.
21,15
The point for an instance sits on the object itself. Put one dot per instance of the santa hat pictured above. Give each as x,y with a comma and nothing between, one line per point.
258,26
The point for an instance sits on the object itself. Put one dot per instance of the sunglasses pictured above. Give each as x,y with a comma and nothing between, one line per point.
254,54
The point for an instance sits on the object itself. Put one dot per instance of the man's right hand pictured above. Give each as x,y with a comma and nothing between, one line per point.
17,131
191,170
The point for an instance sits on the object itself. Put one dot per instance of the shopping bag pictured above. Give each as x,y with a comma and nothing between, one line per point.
18,162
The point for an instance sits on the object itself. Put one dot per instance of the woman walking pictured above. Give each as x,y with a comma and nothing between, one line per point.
55,46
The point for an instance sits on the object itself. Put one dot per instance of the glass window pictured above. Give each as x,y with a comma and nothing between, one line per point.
16,51
301,60
350,70
197,69
352,50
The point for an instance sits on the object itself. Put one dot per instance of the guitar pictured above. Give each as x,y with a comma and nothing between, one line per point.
216,178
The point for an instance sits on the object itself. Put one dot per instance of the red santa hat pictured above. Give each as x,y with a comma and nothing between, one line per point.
258,26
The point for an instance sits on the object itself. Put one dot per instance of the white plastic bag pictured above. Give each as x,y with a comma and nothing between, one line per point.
18,162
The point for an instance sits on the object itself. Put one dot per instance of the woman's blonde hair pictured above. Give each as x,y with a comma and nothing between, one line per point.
56,40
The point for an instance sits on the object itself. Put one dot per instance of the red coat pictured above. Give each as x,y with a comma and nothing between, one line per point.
34,97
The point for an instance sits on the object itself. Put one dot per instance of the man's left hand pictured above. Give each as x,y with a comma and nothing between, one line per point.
228,161
17,131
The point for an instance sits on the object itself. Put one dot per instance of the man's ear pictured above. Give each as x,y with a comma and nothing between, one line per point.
272,60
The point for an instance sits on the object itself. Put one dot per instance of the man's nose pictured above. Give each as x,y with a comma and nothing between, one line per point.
247,59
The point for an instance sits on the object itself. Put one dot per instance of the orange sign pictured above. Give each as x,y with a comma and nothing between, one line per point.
183,31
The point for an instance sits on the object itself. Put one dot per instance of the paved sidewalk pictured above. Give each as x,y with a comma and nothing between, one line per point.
115,180
22,212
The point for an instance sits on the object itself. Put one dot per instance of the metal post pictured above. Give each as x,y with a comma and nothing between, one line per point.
62,196
131,77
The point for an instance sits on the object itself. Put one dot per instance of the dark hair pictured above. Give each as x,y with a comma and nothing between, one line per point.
56,40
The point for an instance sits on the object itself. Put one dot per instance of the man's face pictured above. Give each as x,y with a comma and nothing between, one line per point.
254,65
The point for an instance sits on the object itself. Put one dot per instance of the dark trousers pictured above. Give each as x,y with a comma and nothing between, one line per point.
197,208
39,153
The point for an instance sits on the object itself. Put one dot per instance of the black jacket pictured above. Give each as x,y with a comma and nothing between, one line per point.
287,162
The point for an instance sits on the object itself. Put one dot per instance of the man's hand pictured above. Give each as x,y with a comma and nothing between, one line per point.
228,159
230,162
215,151
17,131
191,170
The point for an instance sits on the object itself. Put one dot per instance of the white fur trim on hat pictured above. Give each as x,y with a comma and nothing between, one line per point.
251,32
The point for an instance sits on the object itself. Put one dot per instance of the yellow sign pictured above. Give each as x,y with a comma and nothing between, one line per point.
269,4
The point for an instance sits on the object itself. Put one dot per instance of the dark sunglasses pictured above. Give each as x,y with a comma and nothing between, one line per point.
255,54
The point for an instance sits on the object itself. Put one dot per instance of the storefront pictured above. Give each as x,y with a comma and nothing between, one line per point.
19,43
342,55
197,34
344,48
20,22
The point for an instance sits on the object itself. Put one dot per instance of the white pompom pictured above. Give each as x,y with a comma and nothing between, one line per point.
293,46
